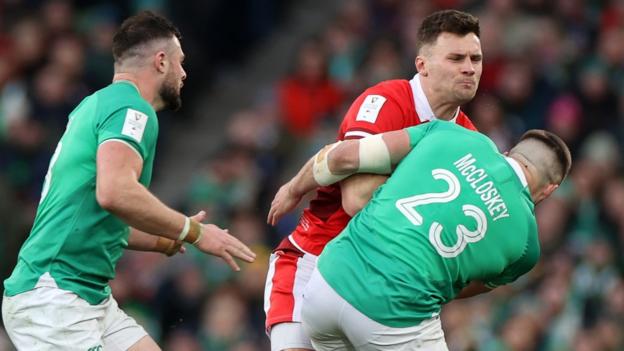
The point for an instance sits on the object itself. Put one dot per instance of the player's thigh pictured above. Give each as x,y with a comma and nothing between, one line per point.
122,332
289,273
48,318
368,335
321,313
145,344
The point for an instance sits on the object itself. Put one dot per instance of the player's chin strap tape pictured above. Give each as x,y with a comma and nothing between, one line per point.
322,175
374,156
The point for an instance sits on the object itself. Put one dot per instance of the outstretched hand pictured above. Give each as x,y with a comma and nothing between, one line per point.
219,242
284,202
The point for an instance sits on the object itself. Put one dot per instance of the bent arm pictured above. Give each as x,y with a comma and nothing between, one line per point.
473,289
119,192
349,157
376,154
358,189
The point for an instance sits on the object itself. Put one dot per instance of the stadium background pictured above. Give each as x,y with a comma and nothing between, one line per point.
269,81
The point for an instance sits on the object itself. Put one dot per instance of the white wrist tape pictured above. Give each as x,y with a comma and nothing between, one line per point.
185,229
320,169
374,156
201,234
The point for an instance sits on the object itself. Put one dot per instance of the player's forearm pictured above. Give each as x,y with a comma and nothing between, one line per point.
473,289
136,206
358,189
333,163
141,241
304,181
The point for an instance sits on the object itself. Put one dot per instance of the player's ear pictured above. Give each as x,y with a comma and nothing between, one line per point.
420,65
547,191
550,188
160,62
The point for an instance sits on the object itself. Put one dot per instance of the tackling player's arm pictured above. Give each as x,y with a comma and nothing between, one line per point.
375,111
512,272
472,289
358,189
119,192
374,154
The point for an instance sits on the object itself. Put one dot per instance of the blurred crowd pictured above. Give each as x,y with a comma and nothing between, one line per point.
557,65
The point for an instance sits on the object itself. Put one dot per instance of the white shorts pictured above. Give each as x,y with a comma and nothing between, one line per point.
49,318
286,336
289,272
333,324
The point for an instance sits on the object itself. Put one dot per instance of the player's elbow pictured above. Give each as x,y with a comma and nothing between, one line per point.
106,197
112,194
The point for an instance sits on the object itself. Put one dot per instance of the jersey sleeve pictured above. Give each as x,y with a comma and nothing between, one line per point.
137,128
521,266
373,112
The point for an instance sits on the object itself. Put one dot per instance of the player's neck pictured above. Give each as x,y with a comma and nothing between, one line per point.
441,107
142,85
532,179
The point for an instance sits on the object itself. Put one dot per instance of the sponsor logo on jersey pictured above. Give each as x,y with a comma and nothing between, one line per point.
134,125
370,108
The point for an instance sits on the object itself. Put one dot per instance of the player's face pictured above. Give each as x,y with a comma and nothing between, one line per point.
454,65
172,85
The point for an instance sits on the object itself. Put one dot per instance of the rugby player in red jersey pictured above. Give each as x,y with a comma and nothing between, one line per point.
448,65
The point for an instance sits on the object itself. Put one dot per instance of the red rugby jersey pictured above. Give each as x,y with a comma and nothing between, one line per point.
387,106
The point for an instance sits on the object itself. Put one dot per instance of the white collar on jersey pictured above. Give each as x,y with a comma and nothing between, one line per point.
423,109
518,169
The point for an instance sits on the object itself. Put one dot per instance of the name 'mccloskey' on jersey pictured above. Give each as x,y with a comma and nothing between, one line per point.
454,210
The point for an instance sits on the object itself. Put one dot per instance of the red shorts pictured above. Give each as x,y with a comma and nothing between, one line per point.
290,269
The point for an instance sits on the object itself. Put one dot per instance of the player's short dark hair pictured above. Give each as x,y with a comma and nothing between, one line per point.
139,29
449,21
554,143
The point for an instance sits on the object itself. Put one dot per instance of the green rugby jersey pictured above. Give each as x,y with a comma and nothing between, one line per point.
453,211
73,239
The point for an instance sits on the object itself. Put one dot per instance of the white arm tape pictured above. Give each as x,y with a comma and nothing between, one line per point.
374,156
320,169
185,229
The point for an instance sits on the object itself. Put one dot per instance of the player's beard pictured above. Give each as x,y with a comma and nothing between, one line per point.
170,95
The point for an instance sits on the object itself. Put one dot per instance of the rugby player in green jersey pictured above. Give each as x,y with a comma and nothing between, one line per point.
95,203
454,219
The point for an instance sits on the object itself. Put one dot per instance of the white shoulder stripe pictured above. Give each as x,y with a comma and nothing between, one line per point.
123,142
357,133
